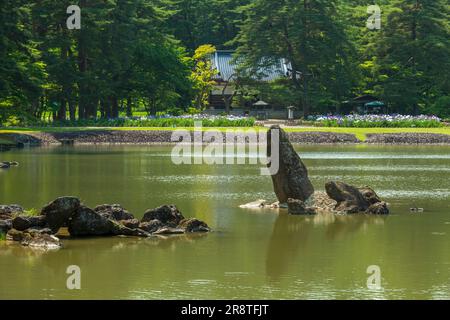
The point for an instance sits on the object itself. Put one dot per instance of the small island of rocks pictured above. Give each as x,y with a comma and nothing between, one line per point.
41,231
295,191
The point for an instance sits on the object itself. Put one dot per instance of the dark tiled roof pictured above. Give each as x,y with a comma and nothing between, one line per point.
223,62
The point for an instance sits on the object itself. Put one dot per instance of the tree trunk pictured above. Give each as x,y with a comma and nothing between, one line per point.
65,94
105,109
41,108
93,109
306,107
62,110
227,105
114,105
72,110
83,106
129,108
115,109
82,65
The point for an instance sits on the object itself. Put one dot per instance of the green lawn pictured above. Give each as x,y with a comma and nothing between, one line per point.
360,133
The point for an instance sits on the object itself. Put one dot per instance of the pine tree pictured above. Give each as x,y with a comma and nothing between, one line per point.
22,72
414,54
309,35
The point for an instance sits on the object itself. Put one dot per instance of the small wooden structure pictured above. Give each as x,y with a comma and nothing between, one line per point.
261,110
366,104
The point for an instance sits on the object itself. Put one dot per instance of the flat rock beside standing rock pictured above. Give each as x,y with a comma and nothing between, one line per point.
349,199
355,200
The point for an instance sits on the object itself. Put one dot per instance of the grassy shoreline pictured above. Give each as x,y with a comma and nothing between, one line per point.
360,133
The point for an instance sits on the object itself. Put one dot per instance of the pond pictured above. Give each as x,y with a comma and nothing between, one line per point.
251,254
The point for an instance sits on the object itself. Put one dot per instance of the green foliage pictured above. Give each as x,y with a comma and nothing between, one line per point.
2,237
12,121
310,36
193,111
345,123
123,57
21,68
157,122
32,212
203,75
411,56
441,107
152,56
196,22
175,112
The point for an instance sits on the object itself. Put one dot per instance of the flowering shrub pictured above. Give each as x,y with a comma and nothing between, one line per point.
379,121
162,120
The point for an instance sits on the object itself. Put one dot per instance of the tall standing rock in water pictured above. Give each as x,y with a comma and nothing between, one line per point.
291,181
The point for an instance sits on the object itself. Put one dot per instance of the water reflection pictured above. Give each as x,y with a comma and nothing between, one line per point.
256,255
82,251
292,233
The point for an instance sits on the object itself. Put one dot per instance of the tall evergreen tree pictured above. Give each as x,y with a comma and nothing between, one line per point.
414,54
308,34
200,22
22,72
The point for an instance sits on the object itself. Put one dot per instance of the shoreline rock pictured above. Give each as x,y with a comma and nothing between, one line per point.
147,137
408,138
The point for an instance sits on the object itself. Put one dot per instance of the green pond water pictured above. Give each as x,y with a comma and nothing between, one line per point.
250,254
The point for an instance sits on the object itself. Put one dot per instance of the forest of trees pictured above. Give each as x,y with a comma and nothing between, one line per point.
140,54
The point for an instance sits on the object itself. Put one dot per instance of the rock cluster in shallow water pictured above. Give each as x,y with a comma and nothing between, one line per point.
340,198
295,191
8,164
81,221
